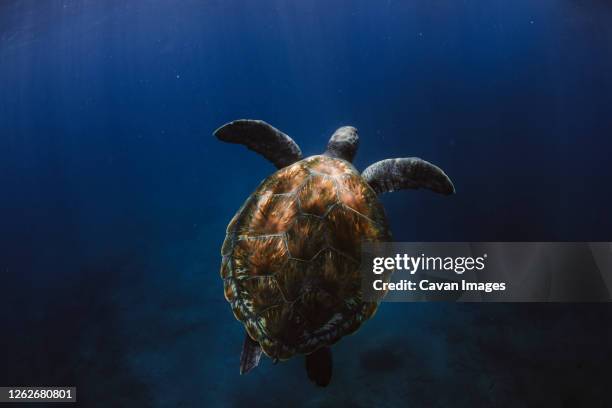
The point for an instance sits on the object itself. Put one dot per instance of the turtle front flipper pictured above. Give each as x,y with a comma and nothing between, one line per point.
251,354
262,138
398,174
319,366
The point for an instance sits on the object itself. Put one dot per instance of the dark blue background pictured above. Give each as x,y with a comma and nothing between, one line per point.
114,195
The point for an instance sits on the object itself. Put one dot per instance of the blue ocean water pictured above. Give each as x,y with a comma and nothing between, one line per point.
115,195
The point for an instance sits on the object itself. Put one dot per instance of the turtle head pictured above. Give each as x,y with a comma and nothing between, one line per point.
343,144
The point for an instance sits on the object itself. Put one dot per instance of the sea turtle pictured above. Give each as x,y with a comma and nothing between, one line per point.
292,251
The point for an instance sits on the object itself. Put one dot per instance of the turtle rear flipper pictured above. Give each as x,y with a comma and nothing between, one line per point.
251,354
319,366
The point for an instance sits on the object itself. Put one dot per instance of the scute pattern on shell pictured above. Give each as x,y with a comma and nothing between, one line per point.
291,256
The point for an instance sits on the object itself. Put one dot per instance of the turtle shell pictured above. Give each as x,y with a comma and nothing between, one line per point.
291,256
